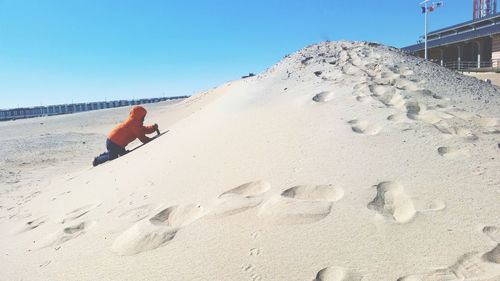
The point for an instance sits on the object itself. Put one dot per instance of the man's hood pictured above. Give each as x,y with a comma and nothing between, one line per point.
137,113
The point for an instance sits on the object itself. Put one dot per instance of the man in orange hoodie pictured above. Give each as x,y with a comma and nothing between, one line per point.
125,133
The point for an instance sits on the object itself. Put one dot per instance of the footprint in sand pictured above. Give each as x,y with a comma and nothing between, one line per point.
388,82
407,85
493,232
474,266
396,117
395,101
419,112
301,204
381,90
250,270
387,95
240,198
452,152
364,127
445,128
392,202
78,213
362,98
323,96
412,109
30,225
337,273
471,266
351,70
444,274
493,256
254,252
150,234
66,234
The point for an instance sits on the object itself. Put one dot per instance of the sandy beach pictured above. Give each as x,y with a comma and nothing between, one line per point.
343,161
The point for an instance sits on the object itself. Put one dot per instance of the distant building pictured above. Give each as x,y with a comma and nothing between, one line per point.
472,46
29,112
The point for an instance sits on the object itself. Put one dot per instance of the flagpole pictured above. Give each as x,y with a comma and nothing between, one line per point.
426,29
425,25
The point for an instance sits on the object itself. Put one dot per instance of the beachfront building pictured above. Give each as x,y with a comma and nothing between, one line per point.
468,46
29,112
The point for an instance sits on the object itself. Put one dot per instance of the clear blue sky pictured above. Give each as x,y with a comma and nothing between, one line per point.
62,51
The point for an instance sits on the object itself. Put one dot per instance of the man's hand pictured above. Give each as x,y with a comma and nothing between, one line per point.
155,126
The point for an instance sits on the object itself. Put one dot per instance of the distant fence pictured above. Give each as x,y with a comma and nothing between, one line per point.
29,112
472,66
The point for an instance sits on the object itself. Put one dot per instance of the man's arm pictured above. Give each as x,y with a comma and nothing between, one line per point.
145,139
150,129
140,132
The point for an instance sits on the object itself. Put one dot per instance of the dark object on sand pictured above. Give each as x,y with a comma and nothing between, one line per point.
153,138
249,75
304,61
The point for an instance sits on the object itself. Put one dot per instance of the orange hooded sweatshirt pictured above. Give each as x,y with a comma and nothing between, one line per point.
131,128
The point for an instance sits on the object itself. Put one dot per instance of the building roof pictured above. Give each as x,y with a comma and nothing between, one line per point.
460,33
467,25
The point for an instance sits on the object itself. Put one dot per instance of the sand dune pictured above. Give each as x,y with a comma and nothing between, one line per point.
344,161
